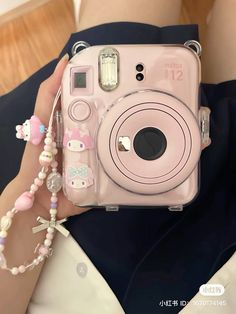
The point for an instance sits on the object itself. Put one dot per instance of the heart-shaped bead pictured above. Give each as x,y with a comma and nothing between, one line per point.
24,202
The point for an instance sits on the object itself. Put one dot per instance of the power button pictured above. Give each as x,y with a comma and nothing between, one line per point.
79,111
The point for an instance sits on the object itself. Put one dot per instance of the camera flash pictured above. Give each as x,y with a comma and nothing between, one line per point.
108,68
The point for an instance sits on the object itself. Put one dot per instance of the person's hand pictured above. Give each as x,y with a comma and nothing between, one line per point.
30,166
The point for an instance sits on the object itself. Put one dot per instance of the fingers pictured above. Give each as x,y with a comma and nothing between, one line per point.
48,90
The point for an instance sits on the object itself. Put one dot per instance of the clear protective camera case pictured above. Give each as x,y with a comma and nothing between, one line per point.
133,128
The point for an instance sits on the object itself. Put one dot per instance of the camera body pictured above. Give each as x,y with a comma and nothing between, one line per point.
132,126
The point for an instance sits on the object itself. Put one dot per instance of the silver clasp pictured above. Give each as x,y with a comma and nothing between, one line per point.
59,129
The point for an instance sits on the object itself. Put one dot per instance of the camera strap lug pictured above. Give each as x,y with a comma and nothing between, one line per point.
78,46
204,123
59,129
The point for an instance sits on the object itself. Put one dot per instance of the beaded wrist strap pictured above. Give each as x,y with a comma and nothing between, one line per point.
25,201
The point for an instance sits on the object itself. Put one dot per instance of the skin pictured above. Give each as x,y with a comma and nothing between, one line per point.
155,12
28,170
219,48
159,12
219,64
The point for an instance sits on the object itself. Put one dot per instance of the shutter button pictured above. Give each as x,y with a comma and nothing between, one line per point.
79,111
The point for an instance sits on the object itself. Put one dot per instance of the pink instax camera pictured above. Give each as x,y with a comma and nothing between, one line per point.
133,128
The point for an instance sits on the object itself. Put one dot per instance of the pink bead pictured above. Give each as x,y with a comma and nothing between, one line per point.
10,214
55,151
49,236
34,187
38,182
43,250
54,199
44,163
47,148
24,202
54,164
21,268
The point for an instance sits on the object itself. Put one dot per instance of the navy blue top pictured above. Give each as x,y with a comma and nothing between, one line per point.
148,255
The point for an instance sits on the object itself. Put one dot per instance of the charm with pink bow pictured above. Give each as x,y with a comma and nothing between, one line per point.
32,130
77,140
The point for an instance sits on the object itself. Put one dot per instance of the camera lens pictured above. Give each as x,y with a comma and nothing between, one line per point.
139,67
139,76
150,143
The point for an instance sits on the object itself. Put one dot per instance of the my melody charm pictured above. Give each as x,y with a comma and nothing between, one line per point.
31,130
77,140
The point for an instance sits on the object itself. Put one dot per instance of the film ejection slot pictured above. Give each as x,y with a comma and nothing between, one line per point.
108,62
175,208
111,208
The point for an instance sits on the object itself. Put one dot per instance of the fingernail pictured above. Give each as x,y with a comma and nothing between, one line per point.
63,59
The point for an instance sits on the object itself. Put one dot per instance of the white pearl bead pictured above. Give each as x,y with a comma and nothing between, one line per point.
21,269
5,223
42,175
54,151
35,261
54,144
2,247
40,258
3,234
48,141
49,134
47,242
10,214
50,230
14,271
53,211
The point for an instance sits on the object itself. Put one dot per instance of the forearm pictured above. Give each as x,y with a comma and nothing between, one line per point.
16,291
218,59
156,12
